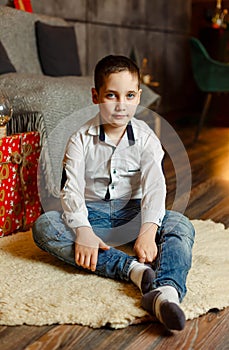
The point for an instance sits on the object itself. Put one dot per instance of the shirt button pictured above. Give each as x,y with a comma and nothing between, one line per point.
112,187
114,171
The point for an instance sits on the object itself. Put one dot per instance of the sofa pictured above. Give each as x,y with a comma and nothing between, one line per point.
54,104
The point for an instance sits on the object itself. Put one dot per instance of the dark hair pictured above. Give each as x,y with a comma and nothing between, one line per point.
113,64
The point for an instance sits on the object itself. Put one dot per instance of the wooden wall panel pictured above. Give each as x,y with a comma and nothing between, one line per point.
117,40
81,35
132,13
75,9
178,14
156,29
178,75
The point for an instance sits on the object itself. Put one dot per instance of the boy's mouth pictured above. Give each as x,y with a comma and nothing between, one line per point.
119,116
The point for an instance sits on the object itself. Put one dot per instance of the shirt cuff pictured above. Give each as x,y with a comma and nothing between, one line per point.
74,222
153,216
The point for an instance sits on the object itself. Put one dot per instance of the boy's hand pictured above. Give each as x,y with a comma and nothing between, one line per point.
86,248
145,246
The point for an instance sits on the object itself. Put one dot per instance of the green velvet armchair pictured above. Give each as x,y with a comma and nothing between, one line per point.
210,75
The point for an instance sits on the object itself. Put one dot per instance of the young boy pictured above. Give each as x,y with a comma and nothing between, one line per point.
113,192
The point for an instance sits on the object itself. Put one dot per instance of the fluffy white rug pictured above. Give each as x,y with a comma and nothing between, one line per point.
37,289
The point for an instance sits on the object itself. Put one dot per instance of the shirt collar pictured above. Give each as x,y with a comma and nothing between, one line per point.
129,131
94,127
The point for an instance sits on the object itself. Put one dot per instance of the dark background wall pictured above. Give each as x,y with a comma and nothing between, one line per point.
155,29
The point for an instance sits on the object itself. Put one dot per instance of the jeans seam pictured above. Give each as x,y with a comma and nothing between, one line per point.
127,268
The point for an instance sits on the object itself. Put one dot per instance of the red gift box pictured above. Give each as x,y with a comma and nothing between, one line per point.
24,5
19,200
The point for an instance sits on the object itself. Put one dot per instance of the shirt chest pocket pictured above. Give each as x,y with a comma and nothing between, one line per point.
130,177
128,169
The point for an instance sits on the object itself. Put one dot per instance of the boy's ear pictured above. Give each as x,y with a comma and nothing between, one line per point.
95,97
139,97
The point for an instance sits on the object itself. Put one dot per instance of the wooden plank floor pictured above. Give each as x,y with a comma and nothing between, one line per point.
209,159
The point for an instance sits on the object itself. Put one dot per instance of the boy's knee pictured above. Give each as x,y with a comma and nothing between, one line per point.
180,223
187,227
38,228
43,226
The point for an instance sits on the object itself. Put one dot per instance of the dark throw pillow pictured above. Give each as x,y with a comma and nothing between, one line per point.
57,50
5,64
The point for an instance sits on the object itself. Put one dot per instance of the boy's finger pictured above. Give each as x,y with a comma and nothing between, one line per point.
77,257
140,253
81,260
149,259
141,256
87,262
94,259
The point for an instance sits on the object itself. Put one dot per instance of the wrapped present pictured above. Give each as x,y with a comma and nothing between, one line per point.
19,200
24,5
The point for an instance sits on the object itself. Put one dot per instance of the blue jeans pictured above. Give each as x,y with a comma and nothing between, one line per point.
118,223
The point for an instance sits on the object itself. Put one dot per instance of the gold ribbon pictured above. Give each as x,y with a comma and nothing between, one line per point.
21,5
21,159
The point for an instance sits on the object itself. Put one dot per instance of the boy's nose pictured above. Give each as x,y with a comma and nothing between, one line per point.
120,106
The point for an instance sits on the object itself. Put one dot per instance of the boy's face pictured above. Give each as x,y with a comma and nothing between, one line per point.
118,98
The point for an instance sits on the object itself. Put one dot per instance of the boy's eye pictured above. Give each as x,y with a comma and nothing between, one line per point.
110,95
130,96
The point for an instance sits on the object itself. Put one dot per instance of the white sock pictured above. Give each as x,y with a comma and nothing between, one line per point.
168,293
163,302
136,271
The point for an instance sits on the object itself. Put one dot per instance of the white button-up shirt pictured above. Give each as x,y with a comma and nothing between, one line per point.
96,169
